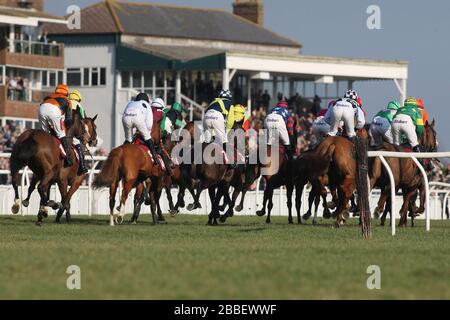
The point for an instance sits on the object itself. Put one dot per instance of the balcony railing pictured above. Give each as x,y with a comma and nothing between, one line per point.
36,48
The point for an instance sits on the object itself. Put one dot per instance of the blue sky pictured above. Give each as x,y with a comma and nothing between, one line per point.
412,30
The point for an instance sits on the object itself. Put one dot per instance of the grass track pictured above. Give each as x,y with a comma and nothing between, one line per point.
244,259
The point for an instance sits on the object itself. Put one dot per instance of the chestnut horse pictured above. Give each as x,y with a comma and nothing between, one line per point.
38,150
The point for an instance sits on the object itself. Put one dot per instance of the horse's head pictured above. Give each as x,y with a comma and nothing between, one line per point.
89,132
429,138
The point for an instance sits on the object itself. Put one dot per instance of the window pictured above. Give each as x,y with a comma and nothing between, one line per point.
137,80
44,79
125,79
103,76
95,76
74,77
86,76
52,79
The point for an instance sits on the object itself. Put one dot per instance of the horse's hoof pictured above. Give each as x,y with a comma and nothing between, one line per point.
223,219
39,223
15,209
190,207
25,203
134,222
306,216
314,222
327,214
382,223
57,221
331,205
260,213
118,209
267,220
346,214
57,206
174,212
45,214
239,208
119,220
376,214
290,221
147,202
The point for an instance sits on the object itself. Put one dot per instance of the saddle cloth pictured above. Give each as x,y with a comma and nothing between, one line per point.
137,141
62,152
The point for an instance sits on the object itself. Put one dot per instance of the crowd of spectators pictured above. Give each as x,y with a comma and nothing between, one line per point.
8,137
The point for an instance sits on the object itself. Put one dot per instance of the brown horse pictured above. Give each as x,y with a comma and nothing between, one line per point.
39,151
132,165
409,179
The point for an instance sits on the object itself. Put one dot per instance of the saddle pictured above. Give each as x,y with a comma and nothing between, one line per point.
141,144
62,152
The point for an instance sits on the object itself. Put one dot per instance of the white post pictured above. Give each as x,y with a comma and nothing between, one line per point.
225,79
117,115
178,87
11,38
427,192
393,193
402,88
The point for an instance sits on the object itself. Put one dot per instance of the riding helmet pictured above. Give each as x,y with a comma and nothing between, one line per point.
225,94
142,96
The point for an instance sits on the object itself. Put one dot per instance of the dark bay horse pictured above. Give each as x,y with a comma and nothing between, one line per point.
39,151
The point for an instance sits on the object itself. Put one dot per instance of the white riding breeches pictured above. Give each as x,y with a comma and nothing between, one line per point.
403,124
276,128
380,130
51,117
214,125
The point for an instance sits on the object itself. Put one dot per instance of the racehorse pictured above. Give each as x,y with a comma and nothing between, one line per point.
40,151
133,165
410,178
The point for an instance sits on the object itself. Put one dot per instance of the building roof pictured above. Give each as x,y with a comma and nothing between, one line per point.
172,22
175,52
30,14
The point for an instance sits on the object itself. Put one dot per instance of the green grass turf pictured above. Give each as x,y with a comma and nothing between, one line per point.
244,259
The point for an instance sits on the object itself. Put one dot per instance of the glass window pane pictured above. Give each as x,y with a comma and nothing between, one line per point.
148,79
125,79
60,77
137,80
44,79
95,76
74,77
160,79
103,76
52,79
86,76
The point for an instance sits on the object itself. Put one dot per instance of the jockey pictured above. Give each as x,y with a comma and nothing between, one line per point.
280,120
408,121
158,105
380,128
422,110
215,116
346,109
237,116
320,125
172,119
75,101
138,114
54,110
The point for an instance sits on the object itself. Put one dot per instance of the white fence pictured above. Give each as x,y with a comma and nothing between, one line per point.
89,201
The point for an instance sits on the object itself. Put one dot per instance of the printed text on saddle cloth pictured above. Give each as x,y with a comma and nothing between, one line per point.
237,149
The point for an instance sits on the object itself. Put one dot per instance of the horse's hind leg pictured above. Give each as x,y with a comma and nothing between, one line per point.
241,203
112,201
289,191
31,188
127,186
269,204
62,185
212,197
15,182
138,199
298,200
43,189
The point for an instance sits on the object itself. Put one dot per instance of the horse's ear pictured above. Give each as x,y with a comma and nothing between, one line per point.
432,124
94,118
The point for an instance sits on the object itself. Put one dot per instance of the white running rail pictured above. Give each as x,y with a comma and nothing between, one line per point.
414,156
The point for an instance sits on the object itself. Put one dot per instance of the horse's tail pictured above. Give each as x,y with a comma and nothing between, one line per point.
328,153
110,171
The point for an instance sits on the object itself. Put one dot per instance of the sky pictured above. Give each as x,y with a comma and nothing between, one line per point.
412,30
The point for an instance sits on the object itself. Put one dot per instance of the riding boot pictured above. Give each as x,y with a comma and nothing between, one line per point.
149,143
232,165
289,152
167,162
66,146
82,169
